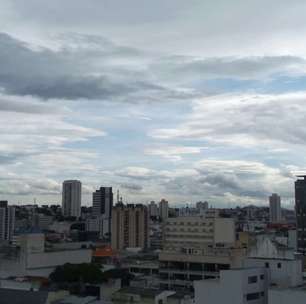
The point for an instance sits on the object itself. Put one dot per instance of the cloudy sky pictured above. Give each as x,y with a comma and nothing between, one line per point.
187,100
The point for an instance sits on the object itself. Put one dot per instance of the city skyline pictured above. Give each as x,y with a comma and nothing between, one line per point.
134,97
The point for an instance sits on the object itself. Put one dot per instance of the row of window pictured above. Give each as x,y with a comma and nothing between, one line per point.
254,296
191,223
254,279
189,230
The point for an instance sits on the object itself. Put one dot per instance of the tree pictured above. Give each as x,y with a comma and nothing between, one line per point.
74,273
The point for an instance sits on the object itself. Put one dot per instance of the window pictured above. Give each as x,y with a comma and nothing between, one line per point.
267,265
262,293
252,296
262,276
252,279
279,265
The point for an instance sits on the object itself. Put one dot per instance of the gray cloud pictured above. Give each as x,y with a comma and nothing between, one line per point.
87,67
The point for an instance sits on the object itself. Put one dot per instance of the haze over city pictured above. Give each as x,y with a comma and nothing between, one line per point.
187,100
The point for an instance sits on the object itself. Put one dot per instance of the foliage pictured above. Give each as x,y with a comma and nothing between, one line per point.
73,273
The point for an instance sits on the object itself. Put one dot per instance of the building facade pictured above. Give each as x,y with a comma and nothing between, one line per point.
7,221
197,248
238,286
275,212
300,209
71,198
163,209
129,227
102,204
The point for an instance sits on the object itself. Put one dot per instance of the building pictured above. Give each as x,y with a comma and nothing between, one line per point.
197,248
102,204
129,226
148,296
32,258
201,207
153,209
275,211
288,295
237,286
300,209
71,198
7,221
163,209
284,266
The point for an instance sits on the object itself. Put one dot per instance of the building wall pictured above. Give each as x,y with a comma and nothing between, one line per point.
233,287
129,227
287,296
287,273
71,198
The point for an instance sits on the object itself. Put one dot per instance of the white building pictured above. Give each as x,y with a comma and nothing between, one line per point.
236,286
196,248
285,268
275,208
33,259
163,209
7,221
287,296
71,198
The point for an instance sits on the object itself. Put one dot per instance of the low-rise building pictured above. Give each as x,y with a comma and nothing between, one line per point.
237,286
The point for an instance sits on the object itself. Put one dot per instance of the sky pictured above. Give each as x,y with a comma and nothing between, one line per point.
184,100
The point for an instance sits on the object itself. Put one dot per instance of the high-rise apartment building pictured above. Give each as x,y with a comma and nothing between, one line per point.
163,209
129,226
275,208
102,204
300,209
71,198
7,221
153,209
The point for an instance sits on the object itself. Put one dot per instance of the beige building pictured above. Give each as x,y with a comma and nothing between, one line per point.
197,248
129,226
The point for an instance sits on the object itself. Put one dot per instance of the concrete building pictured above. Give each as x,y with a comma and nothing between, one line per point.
102,202
300,209
153,209
7,221
202,207
285,268
285,296
148,296
237,286
129,226
41,221
163,209
275,211
33,259
71,198
196,248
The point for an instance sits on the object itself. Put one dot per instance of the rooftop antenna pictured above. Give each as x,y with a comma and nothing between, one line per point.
118,196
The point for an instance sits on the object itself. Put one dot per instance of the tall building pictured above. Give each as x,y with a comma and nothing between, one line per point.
129,226
163,209
71,198
275,208
7,221
102,202
153,209
300,209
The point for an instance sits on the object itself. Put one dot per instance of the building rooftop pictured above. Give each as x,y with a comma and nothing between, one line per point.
144,292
